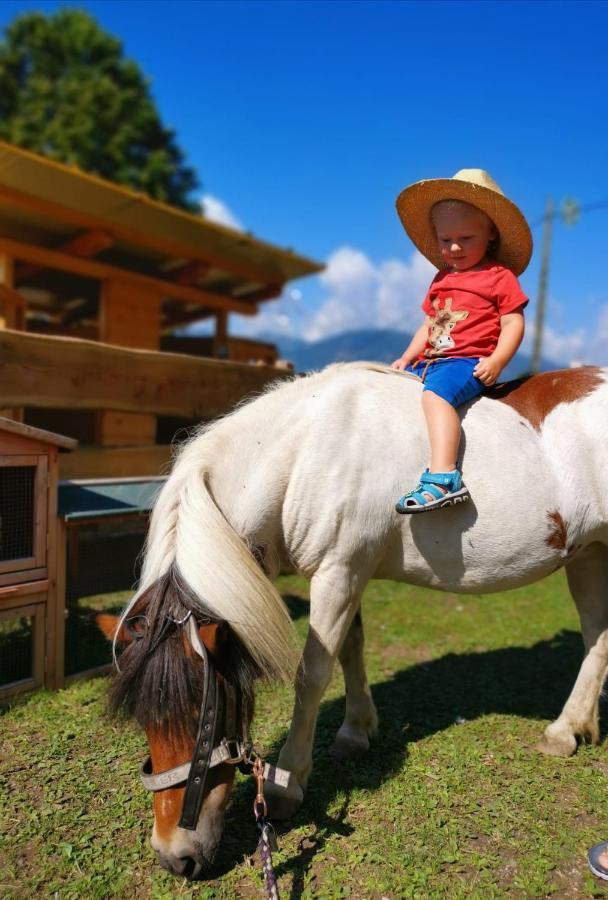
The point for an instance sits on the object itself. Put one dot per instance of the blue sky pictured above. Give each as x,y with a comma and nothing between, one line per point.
305,119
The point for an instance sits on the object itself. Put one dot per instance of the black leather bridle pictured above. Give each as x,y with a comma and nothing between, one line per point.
233,747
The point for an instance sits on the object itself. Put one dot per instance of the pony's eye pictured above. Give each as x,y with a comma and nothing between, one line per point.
136,626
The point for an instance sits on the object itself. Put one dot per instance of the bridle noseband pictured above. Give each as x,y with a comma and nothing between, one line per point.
233,748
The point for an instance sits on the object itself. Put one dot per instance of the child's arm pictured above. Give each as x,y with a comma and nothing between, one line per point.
511,333
414,348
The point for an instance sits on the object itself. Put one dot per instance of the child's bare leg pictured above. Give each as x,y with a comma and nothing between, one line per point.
443,424
440,485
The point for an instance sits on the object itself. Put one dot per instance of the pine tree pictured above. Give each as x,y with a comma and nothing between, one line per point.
68,92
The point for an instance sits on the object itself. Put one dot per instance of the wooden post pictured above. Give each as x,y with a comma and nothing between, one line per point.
129,316
543,282
221,349
12,313
56,559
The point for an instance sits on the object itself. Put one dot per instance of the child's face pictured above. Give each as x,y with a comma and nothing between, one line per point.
463,234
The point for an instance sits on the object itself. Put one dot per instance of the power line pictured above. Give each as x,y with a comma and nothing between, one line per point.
557,213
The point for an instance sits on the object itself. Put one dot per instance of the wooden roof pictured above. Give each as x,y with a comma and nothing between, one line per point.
55,219
37,434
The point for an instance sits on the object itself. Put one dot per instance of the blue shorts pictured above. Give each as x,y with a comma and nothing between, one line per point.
451,378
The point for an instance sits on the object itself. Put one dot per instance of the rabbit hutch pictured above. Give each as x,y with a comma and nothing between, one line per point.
31,603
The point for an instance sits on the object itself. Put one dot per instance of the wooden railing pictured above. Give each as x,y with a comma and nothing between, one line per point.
52,372
39,371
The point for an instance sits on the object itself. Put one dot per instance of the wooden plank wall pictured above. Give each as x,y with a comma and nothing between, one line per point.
49,372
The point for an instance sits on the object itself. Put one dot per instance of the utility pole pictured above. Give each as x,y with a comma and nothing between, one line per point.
543,281
570,212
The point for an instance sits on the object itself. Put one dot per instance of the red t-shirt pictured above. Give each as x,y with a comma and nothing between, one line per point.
465,310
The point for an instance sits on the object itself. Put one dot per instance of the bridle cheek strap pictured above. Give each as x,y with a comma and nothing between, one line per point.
206,755
205,738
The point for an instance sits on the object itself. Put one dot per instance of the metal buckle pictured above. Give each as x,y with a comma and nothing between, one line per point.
235,749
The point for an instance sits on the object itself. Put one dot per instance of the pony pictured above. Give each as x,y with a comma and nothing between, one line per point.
304,478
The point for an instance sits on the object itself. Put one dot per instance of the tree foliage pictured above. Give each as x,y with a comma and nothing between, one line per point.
68,92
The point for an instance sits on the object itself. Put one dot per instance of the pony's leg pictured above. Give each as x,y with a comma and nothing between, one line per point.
334,599
361,718
588,582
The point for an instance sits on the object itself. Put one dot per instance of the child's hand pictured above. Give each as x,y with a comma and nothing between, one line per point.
400,363
487,370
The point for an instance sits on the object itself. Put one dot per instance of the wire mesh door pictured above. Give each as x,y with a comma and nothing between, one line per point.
103,564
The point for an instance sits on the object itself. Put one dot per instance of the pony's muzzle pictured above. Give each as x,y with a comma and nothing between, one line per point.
187,866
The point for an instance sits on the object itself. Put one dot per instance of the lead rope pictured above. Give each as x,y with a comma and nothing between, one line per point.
268,841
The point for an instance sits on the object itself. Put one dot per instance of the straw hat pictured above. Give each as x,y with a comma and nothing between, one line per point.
476,187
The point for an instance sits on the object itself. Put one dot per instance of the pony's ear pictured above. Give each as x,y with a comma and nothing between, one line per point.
213,636
108,625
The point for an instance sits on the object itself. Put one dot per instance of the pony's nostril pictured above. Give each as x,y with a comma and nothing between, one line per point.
187,867
164,862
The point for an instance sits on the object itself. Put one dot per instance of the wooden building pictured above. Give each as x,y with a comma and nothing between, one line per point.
88,267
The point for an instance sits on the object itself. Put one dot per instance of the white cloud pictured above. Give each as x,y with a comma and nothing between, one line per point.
583,345
217,211
286,316
563,347
594,349
358,294
362,295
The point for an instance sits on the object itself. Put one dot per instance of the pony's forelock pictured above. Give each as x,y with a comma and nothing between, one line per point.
159,683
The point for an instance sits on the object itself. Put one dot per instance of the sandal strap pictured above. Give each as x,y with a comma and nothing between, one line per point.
418,495
450,480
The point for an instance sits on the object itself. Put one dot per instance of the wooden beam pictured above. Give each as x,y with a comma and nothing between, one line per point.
51,372
189,273
57,212
86,245
267,293
116,462
89,243
175,319
55,259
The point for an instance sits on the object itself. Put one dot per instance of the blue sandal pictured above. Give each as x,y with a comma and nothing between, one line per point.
430,485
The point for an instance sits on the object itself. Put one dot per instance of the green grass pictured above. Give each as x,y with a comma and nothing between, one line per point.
452,799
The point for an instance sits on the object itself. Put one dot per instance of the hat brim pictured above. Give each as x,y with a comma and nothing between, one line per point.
414,206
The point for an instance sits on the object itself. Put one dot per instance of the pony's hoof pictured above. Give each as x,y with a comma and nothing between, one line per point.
348,748
557,744
283,803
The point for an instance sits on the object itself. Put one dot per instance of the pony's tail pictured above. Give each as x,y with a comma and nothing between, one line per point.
191,534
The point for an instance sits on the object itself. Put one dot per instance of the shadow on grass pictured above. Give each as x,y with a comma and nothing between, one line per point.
422,700
297,606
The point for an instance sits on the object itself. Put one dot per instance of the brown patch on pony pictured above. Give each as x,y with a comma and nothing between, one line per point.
167,751
535,397
558,536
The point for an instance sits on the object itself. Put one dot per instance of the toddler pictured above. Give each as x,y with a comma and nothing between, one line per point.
474,323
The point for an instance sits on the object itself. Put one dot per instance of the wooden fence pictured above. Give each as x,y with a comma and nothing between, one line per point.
43,372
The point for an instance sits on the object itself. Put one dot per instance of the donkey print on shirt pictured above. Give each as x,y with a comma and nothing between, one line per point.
442,324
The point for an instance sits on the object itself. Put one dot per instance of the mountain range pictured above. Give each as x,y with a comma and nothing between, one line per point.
377,345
